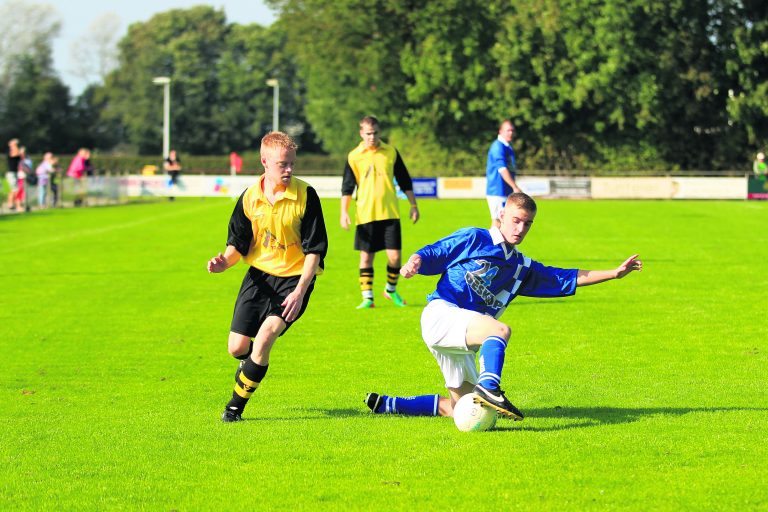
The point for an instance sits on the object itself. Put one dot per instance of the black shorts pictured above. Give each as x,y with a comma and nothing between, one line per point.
378,235
261,295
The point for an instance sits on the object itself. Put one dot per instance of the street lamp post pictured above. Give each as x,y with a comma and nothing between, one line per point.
275,84
166,83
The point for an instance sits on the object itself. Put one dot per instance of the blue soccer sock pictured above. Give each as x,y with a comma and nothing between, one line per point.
423,405
491,362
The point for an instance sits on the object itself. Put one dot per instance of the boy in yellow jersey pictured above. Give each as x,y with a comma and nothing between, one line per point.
277,228
371,167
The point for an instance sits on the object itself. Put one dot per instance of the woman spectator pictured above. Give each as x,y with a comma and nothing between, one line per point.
44,172
13,168
78,170
24,169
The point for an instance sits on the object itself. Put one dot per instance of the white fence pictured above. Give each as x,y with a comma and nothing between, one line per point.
466,188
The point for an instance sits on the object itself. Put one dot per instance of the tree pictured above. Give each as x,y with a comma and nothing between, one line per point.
252,55
626,84
748,67
95,52
39,110
26,29
348,55
184,45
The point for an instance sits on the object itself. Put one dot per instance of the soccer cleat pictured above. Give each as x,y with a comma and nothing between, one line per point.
373,401
231,416
395,298
366,304
496,400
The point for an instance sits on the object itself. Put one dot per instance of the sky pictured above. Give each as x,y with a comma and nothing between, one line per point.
77,15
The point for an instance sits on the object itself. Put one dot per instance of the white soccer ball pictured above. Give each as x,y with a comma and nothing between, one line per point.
472,417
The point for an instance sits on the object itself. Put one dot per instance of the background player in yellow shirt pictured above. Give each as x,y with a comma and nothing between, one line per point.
371,168
277,228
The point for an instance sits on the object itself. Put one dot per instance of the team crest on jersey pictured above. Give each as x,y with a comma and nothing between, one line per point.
480,281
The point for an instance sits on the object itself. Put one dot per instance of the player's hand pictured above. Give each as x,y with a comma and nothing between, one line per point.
411,268
414,214
217,264
632,263
292,305
344,220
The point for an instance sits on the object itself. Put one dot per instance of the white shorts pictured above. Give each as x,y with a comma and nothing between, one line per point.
13,182
495,205
444,330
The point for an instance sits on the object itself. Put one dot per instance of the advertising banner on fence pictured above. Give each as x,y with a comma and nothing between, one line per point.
570,187
474,187
757,188
425,187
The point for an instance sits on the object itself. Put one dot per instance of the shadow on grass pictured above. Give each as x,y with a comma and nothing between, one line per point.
577,417
582,417
314,414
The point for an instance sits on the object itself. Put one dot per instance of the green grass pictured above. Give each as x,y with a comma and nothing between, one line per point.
646,393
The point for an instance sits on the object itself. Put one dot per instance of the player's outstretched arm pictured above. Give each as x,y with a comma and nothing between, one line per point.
412,266
222,262
588,277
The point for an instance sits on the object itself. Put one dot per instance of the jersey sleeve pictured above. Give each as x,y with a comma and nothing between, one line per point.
437,257
544,281
496,156
348,182
240,233
401,174
314,238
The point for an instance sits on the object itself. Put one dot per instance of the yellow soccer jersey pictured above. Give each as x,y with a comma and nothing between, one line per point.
275,237
373,172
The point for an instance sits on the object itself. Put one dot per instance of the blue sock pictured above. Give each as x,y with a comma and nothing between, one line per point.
491,362
423,405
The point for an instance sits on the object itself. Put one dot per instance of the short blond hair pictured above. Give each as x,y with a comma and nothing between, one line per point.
277,140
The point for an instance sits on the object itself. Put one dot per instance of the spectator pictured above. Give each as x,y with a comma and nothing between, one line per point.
13,169
172,166
78,169
759,167
44,173
23,172
235,163
54,174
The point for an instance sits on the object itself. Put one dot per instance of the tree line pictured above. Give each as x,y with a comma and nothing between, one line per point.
589,84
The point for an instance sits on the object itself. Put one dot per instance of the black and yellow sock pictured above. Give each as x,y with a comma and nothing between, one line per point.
246,382
243,358
366,282
393,273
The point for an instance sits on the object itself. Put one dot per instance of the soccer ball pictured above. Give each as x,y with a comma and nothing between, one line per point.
472,417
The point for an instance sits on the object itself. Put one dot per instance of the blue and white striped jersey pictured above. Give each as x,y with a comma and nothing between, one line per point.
483,273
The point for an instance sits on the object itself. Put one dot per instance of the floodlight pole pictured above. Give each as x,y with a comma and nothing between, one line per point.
166,83
275,84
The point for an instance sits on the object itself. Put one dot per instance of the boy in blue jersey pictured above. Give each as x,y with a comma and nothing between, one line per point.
481,273
500,167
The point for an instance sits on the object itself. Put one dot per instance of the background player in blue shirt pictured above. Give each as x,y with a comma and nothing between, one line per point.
481,273
500,167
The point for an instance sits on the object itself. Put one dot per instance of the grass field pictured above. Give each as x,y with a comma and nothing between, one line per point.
642,394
